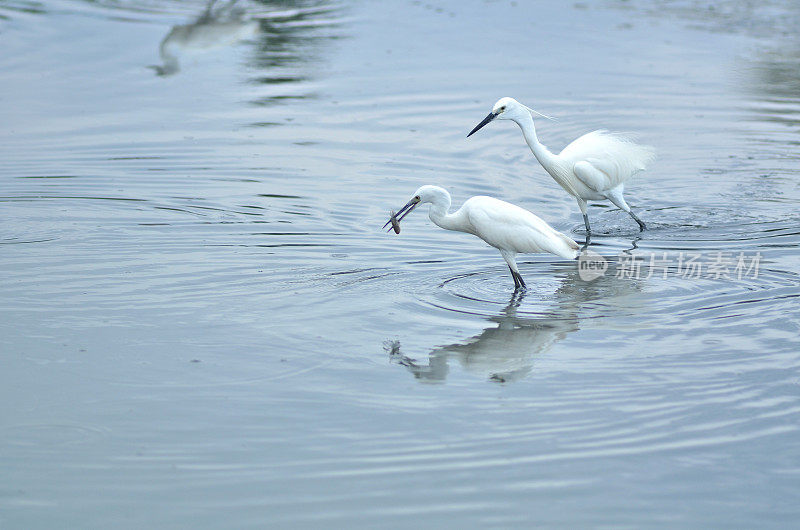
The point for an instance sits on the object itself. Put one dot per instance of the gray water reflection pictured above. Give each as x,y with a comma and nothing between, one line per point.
773,81
218,26
767,18
507,350
504,353
279,32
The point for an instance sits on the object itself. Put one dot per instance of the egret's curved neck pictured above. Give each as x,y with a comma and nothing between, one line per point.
542,154
438,213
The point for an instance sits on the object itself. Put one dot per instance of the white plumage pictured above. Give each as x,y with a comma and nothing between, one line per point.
506,227
616,157
592,167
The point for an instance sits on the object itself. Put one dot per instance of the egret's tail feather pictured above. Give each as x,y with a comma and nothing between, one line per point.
570,249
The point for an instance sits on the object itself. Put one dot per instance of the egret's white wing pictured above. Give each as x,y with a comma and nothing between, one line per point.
591,176
506,226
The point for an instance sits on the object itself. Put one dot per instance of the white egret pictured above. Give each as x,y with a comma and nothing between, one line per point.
508,228
593,167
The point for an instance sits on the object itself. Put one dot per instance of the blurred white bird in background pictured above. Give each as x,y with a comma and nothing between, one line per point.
216,27
508,228
593,167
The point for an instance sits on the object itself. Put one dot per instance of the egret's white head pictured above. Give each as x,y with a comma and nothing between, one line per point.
430,194
506,109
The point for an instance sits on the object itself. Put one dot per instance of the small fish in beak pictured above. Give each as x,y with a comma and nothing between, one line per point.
394,220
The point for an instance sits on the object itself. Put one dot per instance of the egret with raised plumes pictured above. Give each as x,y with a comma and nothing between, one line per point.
508,228
593,167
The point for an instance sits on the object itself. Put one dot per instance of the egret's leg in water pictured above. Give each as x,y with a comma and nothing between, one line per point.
514,276
582,206
510,258
616,197
642,226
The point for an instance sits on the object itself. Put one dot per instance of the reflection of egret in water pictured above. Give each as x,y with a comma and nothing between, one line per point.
502,353
283,33
217,27
506,351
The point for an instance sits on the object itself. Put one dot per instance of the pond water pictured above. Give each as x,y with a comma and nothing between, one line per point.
202,324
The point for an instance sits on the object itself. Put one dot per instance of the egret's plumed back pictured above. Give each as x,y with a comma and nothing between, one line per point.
614,154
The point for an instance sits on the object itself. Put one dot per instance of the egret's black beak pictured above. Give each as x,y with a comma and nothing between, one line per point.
399,216
486,120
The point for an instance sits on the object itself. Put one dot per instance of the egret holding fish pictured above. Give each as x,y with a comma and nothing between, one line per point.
508,228
593,167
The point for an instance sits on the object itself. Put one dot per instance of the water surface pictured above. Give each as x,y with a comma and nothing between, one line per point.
203,325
